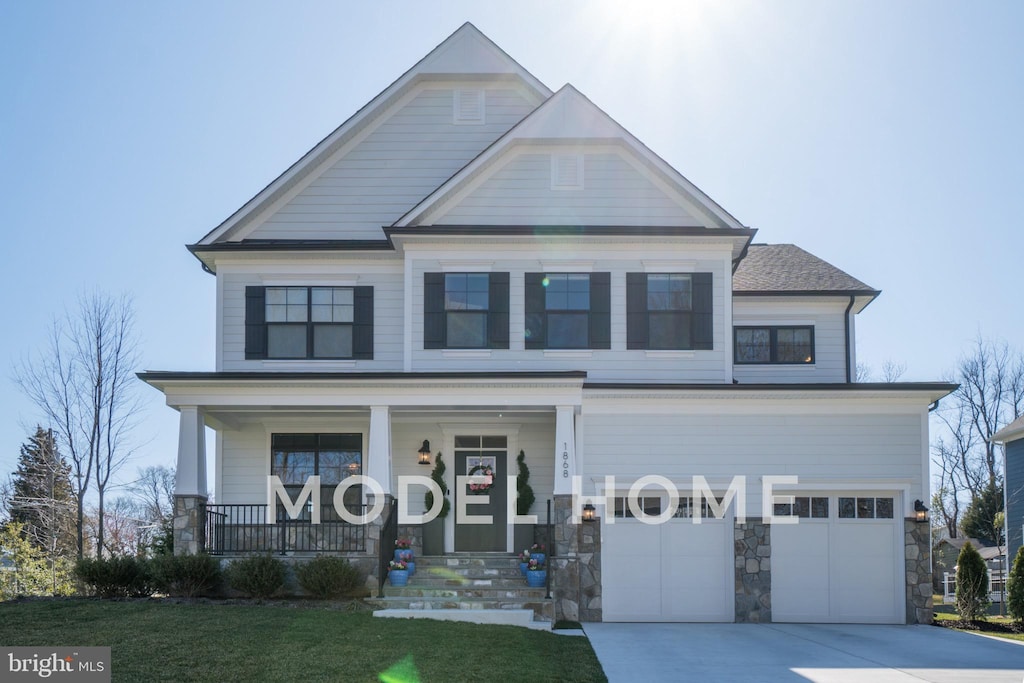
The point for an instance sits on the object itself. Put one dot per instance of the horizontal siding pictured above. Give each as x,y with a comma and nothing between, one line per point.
602,365
403,160
614,193
829,337
387,324
244,466
680,445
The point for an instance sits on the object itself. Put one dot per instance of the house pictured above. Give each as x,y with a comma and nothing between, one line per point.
946,552
475,265
1011,437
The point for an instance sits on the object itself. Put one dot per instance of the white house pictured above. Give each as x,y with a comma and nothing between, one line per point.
479,262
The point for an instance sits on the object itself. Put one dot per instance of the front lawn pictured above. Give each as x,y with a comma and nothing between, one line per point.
154,640
1001,627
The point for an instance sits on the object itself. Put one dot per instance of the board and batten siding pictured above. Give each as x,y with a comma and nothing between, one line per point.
614,193
613,364
679,440
824,315
386,280
1014,496
405,157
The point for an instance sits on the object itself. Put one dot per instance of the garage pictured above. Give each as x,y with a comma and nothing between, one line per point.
675,571
842,562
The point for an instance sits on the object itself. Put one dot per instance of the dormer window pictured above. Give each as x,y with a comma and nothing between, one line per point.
566,171
468,106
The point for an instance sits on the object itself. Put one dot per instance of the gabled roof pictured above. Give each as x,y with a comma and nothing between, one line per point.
467,52
787,269
1011,432
568,117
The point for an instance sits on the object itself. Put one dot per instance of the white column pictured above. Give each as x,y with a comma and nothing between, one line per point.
378,452
565,449
190,477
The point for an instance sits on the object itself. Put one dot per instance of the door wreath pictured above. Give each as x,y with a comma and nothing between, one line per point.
485,471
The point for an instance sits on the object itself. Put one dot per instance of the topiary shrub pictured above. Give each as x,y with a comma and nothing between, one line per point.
1015,590
186,576
328,577
525,495
438,476
258,576
971,584
115,577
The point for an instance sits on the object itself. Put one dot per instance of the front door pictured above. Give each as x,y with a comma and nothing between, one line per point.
482,456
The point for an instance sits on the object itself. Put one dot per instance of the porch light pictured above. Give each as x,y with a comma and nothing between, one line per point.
920,511
425,453
588,512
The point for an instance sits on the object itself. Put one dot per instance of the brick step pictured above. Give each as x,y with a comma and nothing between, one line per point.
520,592
543,610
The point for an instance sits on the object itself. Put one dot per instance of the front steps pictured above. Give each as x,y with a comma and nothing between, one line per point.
484,588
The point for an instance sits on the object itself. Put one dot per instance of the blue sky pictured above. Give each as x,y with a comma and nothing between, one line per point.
884,137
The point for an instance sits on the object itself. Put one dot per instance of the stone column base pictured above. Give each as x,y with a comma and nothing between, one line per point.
753,562
576,567
189,525
918,556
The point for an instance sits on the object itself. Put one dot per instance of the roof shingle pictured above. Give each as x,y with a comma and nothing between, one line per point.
788,268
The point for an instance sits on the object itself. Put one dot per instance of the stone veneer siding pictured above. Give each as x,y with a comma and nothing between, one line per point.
917,554
576,566
753,562
189,525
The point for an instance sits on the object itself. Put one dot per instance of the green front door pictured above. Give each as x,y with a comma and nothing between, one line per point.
477,455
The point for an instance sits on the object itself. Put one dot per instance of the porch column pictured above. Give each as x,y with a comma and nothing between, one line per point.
190,483
565,449
378,452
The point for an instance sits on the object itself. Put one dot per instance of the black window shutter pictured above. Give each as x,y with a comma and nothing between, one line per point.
255,323
433,310
362,323
536,328
497,311
703,310
600,310
637,321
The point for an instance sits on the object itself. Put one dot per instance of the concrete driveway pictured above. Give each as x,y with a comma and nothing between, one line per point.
801,652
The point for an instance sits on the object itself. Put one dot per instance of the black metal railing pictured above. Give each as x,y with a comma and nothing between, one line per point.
550,529
388,536
236,529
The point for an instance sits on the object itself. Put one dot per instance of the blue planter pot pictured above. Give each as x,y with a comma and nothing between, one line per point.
522,568
536,578
400,551
412,567
399,577
540,557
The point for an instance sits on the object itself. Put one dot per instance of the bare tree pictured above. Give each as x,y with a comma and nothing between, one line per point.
82,383
154,494
893,371
863,373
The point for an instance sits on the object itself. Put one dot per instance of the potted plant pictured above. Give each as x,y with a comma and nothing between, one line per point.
403,546
398,573
524,560
433,531
407,557
536,574
537,552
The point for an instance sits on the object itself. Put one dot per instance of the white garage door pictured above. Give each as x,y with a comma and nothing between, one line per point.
842,563
676,571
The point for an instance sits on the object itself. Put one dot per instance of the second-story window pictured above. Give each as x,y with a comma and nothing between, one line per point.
669,311
290,323
465,310
790,345
568,311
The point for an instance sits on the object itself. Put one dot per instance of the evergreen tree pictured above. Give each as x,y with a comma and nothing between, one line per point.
979,520
525,495
42,499
1015,596
26,569
438,476
971,584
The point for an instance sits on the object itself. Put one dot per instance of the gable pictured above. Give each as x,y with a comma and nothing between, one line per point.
566,185
417,145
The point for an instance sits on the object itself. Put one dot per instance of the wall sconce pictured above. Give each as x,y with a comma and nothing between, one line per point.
588,512
920,511
425,453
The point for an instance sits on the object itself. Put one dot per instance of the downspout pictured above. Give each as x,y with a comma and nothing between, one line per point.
846,325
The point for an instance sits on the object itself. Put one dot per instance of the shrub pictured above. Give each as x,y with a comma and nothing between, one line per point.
258,576
186,575
437,474
118,576
1015,590
525,496
328,577
971,584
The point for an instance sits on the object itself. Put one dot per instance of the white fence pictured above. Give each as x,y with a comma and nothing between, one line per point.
996,585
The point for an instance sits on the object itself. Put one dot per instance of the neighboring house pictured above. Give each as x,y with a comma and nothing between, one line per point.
1011,438
476,261
946,552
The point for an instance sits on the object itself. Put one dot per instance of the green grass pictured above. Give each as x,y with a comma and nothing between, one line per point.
160,641
1001,627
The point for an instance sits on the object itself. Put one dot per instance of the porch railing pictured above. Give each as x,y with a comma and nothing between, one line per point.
236,529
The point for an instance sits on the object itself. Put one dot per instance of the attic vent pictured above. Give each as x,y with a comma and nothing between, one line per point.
469,106
567,172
